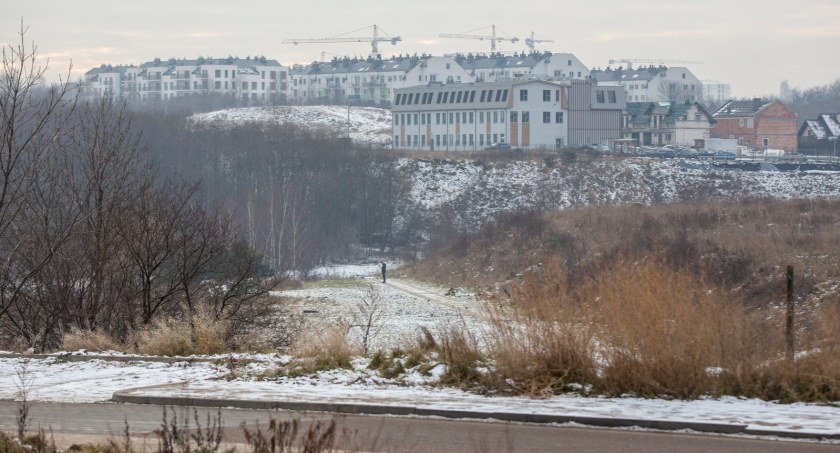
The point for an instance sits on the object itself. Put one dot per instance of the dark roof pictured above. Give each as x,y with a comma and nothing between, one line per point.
826,126
104,69
360,65
735,109
625,75
640,112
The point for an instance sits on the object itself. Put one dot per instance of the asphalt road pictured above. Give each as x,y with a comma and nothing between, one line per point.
72,423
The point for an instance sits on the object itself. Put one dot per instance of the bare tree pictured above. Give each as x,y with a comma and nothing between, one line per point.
33,127
368,317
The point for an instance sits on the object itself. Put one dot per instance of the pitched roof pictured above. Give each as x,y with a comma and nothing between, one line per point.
641,112
742,108
826,126
625,75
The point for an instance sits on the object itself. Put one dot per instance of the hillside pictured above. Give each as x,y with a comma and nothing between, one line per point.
368,125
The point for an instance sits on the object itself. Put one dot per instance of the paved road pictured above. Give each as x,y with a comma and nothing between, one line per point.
97,422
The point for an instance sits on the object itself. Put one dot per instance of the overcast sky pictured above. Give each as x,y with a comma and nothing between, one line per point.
753,45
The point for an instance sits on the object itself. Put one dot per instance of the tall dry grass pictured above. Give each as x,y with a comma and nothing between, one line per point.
643,328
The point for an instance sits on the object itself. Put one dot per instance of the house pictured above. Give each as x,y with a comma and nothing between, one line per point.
666,123
654,83
528,114
254,79
758,124
821,133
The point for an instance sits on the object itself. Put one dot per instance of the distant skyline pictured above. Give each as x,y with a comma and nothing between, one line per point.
753,46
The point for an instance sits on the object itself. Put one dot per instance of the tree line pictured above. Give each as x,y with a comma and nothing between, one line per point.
92,237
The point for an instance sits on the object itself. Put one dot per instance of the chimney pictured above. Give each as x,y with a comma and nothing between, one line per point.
757,103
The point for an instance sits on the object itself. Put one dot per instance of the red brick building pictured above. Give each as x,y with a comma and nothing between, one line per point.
757,124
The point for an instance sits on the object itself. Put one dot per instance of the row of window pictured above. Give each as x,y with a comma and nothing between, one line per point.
408,119
468,118
419,141
451,97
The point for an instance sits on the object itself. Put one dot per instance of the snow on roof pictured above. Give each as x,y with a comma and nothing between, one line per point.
816,129
831,124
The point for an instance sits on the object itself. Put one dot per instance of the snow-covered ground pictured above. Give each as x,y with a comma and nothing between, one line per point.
368,125
405,306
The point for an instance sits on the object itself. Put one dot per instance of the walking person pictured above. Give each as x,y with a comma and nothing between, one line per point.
383,271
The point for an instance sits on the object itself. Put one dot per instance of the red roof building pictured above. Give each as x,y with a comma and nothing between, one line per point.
757,124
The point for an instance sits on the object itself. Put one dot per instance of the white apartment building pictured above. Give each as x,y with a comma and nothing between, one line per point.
528,114
253,79
371,80
374,80
654,83
715,92
546,66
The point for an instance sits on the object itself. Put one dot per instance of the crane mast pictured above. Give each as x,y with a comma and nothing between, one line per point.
531,41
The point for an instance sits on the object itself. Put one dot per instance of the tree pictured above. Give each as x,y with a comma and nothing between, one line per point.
33,134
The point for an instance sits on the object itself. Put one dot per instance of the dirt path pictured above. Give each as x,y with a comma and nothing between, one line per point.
468,306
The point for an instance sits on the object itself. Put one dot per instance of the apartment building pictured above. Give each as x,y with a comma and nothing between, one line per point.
654,83
528,114
254,79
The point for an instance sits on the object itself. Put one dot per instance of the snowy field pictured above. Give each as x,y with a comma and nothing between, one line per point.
368,125
406,306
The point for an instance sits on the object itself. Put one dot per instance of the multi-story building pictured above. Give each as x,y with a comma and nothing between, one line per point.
369,81
715,93
253,79
666,123
535,65
758,124
529,114
654,83
595,112
373,80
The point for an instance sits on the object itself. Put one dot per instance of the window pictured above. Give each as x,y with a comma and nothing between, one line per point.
741,123
489,95
526,117
437,139
523,95
483,94
457,117
683,76
698,117
495,138
450,118
423,120
599,96
546,117
445,97
396,120
514,117
437,118
556,95
611,95
440,95
458,99
558,117
495,116
481,117
480,139
423,141
750,123
766,142
399,98
244,85
472,96
547,95
218,73
396,140
472,141
218,85
415,118
402,118
253,85
501,94
472,117
668,137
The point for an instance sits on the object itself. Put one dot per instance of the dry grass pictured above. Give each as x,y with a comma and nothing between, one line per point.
674,300
327,349
98,341
175,337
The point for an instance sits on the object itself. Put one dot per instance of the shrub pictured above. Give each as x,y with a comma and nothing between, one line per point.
176,337
97,341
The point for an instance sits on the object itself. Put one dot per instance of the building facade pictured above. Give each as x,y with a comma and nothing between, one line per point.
666,123
715,93
654,83
595,112
757,124
527,114
253,79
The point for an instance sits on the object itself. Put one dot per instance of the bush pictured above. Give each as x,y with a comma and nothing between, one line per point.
175,337
97,341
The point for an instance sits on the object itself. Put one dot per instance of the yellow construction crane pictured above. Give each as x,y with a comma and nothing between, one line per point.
630,61
530,41
374,41
493,39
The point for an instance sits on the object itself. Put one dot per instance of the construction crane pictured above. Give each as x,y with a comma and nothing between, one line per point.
530,41
374,41
630,61
493,39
